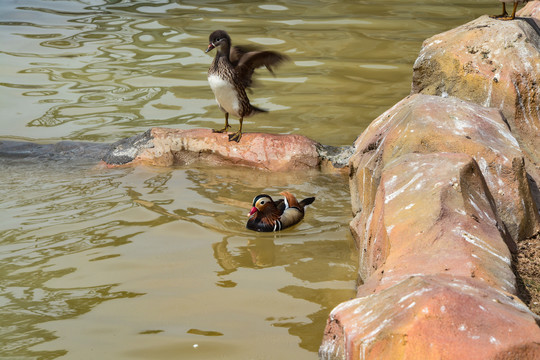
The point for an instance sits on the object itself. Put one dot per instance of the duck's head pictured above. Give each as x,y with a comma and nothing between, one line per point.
261,203
217,39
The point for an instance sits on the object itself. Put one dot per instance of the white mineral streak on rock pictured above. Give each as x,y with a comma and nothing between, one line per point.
476,241
392,195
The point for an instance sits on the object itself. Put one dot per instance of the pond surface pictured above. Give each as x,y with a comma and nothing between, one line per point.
155,263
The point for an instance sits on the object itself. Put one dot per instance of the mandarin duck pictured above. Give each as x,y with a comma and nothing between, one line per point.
230,75
269,215
504,15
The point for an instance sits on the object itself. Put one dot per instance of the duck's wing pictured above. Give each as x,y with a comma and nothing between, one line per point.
291,216
280,204
252,60
238,51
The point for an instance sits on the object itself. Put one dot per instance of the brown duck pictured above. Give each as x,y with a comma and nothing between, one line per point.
504,15
269,215
230,75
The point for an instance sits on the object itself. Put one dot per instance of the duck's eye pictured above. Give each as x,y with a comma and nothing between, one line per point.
262,202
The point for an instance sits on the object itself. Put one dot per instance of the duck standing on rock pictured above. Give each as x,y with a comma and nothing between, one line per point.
230,75
504,15
268,215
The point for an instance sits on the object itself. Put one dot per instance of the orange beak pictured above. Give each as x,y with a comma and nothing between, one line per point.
210,47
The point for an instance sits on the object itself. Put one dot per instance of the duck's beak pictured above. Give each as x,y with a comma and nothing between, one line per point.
253,211
210,47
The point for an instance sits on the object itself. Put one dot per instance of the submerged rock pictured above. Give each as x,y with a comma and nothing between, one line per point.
67,151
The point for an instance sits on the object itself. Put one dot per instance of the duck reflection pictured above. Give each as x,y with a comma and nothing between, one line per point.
312,262
258,253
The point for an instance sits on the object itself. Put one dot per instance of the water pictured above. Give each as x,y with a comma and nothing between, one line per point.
156,263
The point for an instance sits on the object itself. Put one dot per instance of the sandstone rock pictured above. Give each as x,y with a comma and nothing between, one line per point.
166,147
432,317
436,215
491,63
430,124
531,9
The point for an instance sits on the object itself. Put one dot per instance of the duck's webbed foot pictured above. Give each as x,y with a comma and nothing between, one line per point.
221,130
226,125
504,15
506,18
236,136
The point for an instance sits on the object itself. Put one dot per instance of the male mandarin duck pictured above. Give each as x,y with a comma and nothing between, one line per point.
504,15
230,75
269,215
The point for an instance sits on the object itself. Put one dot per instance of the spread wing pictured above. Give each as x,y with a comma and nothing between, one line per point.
251,60
240,50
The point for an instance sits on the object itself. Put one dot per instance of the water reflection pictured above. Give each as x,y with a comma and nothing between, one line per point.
311,262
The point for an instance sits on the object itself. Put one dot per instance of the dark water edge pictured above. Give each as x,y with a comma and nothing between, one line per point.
62,151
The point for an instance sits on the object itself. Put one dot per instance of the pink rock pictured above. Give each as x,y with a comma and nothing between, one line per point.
531,9
433,214
430,124
432,317
439,191
264,151
166,147
492,63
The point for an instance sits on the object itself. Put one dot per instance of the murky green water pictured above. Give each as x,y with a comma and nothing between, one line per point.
156,263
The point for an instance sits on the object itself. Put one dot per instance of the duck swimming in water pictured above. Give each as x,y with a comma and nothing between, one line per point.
268,215
230,75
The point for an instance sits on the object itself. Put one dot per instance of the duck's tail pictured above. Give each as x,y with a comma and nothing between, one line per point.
306,202
256,110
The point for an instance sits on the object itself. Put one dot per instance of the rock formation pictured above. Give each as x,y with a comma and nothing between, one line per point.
441,194
494,64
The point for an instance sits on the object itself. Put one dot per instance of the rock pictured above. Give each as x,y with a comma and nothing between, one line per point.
337,156
440,196
126,150
492,63
432,214
432,317
531,9
430,124
165,147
